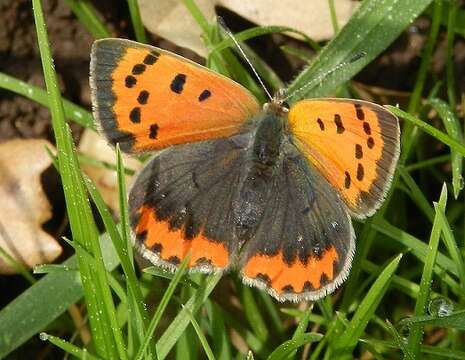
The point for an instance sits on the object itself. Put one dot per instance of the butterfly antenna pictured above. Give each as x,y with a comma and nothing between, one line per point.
320,78
233,38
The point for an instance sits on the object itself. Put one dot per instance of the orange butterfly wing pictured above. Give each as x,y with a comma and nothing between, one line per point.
146,98
355,144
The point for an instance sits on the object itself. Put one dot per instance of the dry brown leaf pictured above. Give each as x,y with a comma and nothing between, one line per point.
171,20
24,204
106,181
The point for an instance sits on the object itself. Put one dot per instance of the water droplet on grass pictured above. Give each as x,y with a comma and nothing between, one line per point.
440,307
404,331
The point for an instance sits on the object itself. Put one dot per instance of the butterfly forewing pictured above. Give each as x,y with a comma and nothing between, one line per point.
146,98
354,144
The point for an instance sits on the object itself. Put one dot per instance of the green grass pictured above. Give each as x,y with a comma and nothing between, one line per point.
409,254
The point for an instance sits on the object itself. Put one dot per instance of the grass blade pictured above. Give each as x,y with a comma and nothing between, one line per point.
253,313
219,333
35,93
439,135
162,306
289,346
139,30
451,21
332,11
453,128
68,347
417,247
119,246
107,335
179,324
255,32
202,338
426,58
364,33
347,341
410,132
452,246
276,323
137,313
417,195
88,16
454,320
18,266
60,288
416,333
400,342
408,136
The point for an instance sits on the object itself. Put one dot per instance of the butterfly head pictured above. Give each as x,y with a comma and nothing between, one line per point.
277,105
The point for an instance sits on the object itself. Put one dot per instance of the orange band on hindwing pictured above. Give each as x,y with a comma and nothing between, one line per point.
172,246
296,277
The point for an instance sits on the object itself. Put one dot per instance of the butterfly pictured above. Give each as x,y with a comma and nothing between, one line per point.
265,190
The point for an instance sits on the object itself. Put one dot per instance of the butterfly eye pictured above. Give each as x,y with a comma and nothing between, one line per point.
285,106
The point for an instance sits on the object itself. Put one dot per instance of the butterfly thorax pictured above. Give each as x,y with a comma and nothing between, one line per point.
267,140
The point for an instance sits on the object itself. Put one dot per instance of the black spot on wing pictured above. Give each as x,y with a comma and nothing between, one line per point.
321,124
339,126
203,261
130,81
308,286
140,237
371,142
151,58
153,131
324,280
288,289
174,260
366,128
143,97
359,112
204,95
177,84
134,115
358,151
264,278
347,180
138,69
157,248
360,172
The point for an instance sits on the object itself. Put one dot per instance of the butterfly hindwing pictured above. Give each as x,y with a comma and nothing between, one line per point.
303,246
354,144
181,202
146,98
